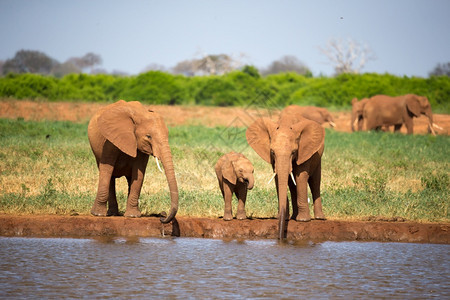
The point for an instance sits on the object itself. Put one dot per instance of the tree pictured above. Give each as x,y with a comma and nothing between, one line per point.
209,64
347,56
89,60
251,70
29,61
60,70
287,63
441,70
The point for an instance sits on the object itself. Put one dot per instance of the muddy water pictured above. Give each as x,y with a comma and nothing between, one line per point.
205,268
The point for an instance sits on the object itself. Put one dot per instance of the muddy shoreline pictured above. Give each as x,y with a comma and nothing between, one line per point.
315,231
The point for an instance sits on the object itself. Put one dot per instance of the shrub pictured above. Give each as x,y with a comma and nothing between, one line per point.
235,88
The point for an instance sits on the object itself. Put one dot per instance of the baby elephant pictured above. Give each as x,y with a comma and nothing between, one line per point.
235,174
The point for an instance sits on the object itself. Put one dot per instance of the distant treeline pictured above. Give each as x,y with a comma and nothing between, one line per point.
237,88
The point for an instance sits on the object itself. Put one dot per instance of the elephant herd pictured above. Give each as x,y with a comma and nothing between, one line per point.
123,135
380,112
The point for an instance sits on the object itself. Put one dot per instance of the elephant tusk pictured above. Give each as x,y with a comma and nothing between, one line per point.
157,163
271,178
332,124
431,129
437,126
355,123
293,180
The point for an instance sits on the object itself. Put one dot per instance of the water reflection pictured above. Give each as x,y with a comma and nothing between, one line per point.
205,268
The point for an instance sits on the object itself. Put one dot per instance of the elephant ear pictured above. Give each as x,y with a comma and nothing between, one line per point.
116,124
413,105
228,171
258,136
311,139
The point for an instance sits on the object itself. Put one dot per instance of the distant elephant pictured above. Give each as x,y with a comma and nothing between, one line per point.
357,113
384,110
122,135
319,114
235,175
293,146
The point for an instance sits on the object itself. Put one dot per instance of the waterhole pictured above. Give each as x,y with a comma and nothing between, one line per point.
211,269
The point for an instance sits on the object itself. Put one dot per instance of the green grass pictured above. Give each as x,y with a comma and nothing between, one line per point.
48,168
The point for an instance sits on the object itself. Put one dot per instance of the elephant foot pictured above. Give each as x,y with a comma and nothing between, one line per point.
227,217
132,213
241,216
320,217
303,219
99,209
113,212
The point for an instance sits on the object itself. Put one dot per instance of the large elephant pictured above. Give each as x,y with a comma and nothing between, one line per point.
384,110
293,146
319,114
235,175
122,136
357,113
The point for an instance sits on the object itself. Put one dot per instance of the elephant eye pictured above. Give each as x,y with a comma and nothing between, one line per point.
149,136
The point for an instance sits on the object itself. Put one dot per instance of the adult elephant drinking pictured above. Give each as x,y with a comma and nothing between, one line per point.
383,110
122,136
293,146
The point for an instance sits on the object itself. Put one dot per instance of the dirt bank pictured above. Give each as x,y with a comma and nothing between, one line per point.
316,231
184,115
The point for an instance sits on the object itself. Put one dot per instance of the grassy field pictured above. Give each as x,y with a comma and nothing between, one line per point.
48,168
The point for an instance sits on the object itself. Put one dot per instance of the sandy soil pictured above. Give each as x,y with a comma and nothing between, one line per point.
81,226
185,115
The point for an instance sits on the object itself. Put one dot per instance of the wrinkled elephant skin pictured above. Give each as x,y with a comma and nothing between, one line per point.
122,136
235,175
293,145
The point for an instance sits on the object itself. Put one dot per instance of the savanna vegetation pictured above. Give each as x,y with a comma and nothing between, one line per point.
48,167
236,88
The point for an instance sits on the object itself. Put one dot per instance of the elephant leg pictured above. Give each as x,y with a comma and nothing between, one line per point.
241,194
314,185
293,190
134,188
227,195
397,127
302,198
105,172
360,123
409,125
113,208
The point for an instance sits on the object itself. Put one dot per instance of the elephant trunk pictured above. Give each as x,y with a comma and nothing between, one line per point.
282,184
429,115
251,182
166,159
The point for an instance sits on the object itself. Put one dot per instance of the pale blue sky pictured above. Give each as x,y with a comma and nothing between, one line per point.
408,37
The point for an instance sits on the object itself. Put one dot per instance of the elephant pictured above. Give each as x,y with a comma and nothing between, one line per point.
384,110
294,145
319,114
122,136
357,113
235,175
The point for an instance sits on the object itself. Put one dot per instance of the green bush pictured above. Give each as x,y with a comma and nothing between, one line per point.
237,88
